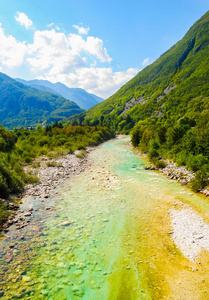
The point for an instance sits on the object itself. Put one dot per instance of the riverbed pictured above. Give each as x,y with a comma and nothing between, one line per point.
105,234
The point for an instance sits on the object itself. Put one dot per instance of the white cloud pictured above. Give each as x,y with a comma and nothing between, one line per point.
95,47
50,52
146,61
70,59
81,30
92,45
23,20
50,25
12,52
100,81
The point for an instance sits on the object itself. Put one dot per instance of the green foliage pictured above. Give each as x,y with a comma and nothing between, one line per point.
22,106
81,154
200,180
4,213
53,163
22,146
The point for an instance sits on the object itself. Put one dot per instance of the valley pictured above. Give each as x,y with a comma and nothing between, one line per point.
106,234
103,199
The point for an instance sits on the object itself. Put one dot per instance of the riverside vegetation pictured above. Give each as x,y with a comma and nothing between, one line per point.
21,147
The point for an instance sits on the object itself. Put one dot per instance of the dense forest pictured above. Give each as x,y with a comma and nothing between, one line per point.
184,140
20,147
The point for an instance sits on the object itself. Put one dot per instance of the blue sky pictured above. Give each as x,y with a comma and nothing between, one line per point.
95,45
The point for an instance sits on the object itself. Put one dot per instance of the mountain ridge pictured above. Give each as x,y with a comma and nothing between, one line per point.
21,105
165,107
184,65
81,97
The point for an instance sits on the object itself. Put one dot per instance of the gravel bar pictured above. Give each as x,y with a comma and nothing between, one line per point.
190,232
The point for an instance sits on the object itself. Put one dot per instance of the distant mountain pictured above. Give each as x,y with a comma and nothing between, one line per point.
21,105
174,86
82,98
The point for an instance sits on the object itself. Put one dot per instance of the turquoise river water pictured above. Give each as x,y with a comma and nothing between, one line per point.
106,236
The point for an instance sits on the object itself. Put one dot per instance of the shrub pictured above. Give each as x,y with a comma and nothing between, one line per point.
81,154
35,165
153,153
4,190
195,163
200,181
3,211
31,179
160,164
53,163
43,141
81,147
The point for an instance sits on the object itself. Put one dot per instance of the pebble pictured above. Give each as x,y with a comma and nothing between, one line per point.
65,223
28,214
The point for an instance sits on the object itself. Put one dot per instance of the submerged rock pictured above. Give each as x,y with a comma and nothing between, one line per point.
65,223
26,278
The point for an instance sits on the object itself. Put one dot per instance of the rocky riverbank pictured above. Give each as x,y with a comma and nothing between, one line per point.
179,173
190,232
50,173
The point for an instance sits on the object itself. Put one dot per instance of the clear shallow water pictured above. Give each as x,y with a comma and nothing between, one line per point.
116,245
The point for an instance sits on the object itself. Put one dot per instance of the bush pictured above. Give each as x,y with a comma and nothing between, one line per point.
160,164
31,179
53,163
153,153
81,154
3,212
200,181
195,163
4,190
35,165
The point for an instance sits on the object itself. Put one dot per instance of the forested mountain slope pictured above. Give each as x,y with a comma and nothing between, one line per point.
21,105
174,85
82,98
167,105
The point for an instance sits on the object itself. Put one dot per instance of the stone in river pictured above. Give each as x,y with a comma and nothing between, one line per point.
8,258
65,223
78,272
28,214
77,290
26,278
45,292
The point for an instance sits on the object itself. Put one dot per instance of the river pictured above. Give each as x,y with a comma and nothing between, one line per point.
104,234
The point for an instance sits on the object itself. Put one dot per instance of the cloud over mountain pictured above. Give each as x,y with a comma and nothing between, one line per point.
75,60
